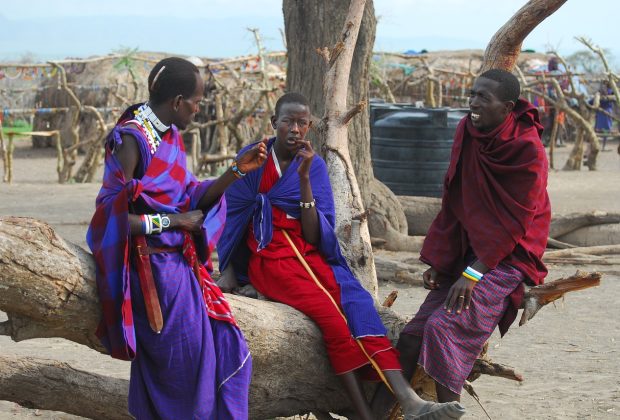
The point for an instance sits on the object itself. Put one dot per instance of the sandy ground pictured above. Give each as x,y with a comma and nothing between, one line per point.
569,353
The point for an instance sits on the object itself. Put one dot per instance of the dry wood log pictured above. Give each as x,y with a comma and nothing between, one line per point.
51,385
398,271
487,367
587,250
420,212
48,290
595,235
590,255
584,260
563,224
539,296
554,243
390,299
396,241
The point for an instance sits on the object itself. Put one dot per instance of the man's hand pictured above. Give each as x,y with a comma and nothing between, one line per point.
254,158
305,154
459,295
430,279
190,221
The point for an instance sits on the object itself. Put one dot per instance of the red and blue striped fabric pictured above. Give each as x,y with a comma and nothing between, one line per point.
452,342
166,187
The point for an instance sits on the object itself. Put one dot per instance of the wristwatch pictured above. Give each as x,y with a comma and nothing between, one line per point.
165,221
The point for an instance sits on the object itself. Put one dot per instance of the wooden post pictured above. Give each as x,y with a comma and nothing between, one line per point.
552,138
69,158
195,141
60,160
3,150
9,159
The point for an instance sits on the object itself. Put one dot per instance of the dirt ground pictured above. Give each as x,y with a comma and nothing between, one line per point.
568,354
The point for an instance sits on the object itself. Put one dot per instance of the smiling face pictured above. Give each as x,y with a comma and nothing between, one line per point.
186,108
488,111
291,125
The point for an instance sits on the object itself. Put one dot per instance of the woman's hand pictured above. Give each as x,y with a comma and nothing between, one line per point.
459,295
305,154
190,221
254,158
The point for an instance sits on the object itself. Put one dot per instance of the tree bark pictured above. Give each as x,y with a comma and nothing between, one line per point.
505,46
48,290
563,224
398,271
51,385
46,283
314,24
420,212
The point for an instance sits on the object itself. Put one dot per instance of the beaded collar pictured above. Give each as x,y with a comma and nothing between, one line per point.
148,113
145,116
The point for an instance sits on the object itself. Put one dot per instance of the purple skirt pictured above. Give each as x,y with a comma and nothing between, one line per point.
197,367
452,342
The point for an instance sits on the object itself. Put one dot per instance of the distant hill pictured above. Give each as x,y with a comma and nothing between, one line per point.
86,36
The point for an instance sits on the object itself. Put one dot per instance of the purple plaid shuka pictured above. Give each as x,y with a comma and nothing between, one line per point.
199,366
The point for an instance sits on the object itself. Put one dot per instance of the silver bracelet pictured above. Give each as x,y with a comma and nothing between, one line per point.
306,205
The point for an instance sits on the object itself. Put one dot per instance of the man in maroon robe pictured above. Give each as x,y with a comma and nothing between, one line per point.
488,238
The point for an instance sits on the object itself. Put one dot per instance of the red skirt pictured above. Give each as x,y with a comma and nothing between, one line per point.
285,280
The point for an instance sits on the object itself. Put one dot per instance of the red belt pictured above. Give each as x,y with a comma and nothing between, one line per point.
147,283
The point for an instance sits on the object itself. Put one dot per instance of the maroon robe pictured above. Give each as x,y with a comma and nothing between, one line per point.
495,205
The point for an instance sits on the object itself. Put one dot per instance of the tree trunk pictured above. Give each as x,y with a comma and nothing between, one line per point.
505,46
420,212
46,283
326,84
50,385
314,24
563,224
48,290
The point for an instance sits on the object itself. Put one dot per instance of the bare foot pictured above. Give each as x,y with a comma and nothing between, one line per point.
437,411
248,291
228,281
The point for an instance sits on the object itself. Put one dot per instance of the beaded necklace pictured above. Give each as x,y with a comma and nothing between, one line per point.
147,119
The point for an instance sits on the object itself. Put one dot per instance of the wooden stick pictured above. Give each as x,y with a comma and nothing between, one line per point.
4,152
390,299
320,286
539,296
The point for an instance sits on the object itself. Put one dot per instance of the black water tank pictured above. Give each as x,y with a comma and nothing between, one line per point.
411,147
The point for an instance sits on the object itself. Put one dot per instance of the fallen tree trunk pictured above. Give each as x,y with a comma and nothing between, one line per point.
48,290
51,385
587,250
420,212
563,224
589,255
593,235
398,271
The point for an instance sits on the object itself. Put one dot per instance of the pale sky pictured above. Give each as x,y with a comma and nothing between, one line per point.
217,28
